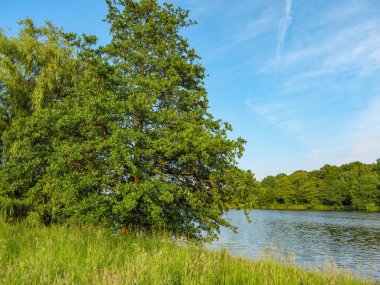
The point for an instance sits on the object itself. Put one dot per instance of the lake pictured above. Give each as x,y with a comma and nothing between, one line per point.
349,239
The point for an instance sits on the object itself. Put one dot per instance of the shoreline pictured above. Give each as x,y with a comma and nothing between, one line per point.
69,255
317,208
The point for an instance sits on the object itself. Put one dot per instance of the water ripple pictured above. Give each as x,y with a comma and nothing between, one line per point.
349,239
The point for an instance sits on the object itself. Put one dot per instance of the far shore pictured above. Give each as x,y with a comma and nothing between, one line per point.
317,208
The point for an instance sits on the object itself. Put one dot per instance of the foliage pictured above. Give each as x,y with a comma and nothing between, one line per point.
36,69
118,135
355,186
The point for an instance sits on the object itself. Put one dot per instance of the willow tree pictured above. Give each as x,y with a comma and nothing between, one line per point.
36,69
134,143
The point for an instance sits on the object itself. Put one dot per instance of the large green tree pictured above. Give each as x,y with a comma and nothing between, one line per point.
133,142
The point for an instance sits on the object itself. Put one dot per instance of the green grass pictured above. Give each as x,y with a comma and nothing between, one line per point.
62,255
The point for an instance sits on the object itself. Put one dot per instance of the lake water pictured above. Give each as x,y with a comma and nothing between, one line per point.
349,239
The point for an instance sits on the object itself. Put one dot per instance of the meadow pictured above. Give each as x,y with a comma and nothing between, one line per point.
34,254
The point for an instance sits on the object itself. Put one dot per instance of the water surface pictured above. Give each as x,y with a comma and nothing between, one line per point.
349,239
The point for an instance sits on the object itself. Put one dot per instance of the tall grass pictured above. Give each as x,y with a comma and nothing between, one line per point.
62,255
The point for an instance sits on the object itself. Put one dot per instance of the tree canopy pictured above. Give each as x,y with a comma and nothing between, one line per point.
354,185
118,135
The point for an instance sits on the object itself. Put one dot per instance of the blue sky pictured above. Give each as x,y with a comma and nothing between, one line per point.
299,80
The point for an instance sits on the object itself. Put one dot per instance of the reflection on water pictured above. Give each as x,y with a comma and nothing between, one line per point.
350,239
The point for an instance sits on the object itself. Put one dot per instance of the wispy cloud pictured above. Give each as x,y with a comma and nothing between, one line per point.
259,25
329,76
284,24
341,12
281,114
354,50
254,28
310,72
342,49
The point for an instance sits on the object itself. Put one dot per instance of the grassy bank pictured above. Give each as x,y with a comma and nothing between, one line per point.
61,255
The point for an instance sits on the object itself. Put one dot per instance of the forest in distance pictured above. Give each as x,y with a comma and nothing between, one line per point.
352,186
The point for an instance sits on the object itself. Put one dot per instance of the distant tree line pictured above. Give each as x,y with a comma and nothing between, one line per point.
354,186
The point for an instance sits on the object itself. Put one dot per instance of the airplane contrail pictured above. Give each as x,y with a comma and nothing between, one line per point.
284,24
